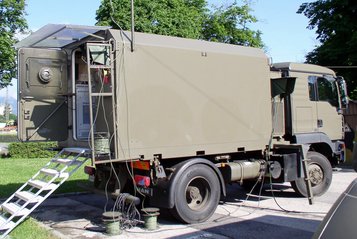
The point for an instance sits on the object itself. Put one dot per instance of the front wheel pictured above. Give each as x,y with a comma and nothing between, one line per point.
197,194
320,173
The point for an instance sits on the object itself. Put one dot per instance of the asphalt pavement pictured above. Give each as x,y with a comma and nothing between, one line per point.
277,213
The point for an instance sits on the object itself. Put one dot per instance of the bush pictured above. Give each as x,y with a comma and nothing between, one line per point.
6,138
32,150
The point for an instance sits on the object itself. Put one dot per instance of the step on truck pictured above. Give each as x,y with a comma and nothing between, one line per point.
173,121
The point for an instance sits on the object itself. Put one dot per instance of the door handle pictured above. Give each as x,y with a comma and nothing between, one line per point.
28,98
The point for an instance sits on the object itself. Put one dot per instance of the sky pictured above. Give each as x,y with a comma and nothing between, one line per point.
284,32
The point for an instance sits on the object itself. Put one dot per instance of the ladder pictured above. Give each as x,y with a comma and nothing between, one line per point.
30,195
101,86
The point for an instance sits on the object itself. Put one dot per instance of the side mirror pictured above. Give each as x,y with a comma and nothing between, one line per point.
342,87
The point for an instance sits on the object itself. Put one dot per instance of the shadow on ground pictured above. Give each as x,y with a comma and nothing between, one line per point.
83,214
253,229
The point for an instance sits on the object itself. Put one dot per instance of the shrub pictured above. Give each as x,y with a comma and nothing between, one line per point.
32,150
6,138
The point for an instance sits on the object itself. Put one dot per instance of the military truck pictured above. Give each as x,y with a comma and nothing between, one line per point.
173,121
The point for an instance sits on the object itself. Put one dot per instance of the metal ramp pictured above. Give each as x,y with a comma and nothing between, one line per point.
30,195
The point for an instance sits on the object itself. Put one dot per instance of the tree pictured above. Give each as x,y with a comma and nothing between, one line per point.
183,18
229,25
336,28
12,21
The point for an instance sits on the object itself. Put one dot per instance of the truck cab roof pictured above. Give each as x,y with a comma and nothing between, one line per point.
302,67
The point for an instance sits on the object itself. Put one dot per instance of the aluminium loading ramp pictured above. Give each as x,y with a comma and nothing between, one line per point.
30,195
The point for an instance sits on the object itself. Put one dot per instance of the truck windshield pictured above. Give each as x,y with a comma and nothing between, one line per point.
323,89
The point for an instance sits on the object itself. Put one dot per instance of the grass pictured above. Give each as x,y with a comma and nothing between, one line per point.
14,173
30,229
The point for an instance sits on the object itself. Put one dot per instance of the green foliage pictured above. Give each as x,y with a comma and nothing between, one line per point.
336,28
30,229
11,117
32,150
8,137
12,21
229,25
183,18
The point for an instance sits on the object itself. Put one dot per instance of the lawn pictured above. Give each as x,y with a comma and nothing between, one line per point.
14,173
30,229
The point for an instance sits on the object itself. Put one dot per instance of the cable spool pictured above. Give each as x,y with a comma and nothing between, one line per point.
111,220
101,143
150,215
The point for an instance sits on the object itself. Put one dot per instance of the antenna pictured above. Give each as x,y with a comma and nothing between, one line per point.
132,26
7,106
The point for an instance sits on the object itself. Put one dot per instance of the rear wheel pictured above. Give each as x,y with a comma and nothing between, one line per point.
197,194
320,173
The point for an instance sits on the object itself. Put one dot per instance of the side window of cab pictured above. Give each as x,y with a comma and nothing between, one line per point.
323,89
312,88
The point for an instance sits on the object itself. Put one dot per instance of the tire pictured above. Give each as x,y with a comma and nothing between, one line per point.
197,194
320,172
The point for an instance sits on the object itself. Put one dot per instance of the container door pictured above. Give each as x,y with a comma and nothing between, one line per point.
42,95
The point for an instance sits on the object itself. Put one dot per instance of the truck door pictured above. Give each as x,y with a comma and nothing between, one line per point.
304,106
42,95
327,105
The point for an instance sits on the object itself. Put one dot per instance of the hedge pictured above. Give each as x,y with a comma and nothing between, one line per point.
6,138
32,150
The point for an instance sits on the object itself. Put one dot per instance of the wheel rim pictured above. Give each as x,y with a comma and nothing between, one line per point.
316,174
198,192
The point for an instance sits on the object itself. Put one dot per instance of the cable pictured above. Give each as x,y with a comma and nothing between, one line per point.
111,137
129,169
275,110
100,104
130,216
262,176
285,210
247,197
129,213
115,22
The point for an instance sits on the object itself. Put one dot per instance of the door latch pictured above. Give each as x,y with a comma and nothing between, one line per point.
27,114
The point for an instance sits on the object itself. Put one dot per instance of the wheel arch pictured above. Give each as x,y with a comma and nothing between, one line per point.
323,149
181,167
319,142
